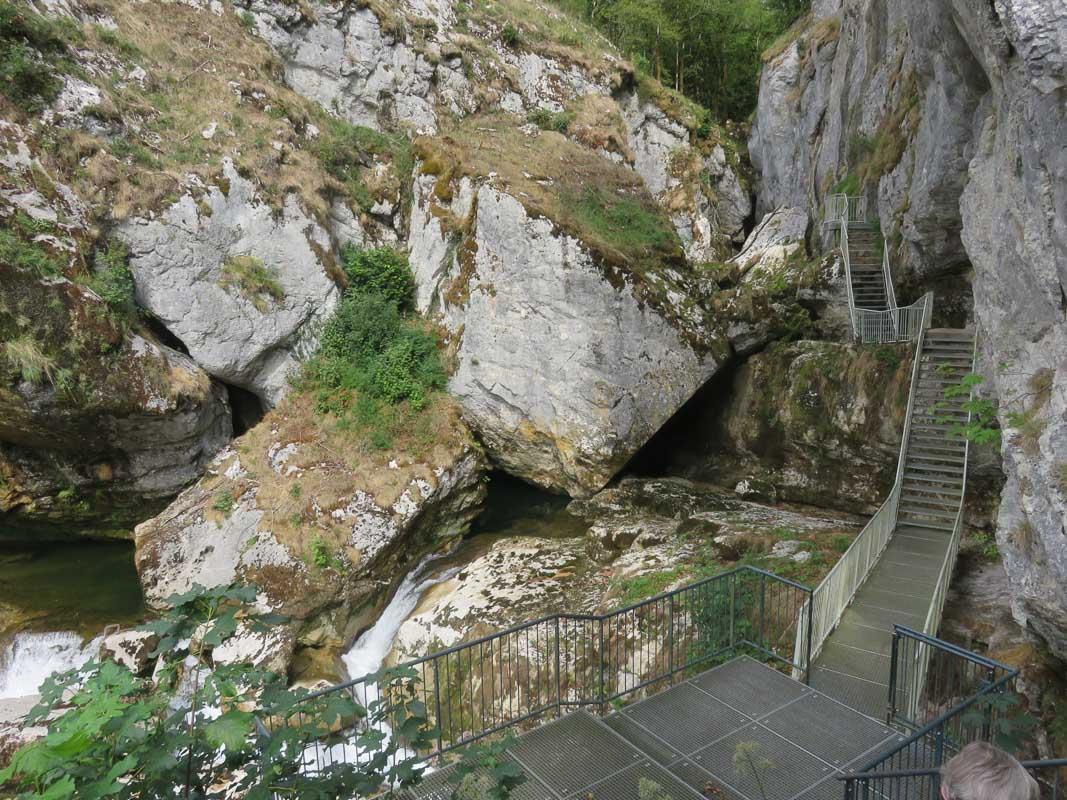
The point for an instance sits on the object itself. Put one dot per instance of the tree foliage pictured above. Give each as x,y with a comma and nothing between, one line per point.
708,49
203,729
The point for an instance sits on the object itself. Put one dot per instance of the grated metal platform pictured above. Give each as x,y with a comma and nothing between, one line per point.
740,731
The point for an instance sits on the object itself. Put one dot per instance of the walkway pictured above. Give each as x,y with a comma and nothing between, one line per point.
690,741
903,585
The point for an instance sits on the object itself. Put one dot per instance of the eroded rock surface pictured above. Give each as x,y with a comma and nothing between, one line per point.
320,528
563,372
244,287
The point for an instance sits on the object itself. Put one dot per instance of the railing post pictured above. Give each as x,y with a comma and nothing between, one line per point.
559,677
891,702
437,705
601,694
987,722
670,638
811,630
733,595
762,606
850,792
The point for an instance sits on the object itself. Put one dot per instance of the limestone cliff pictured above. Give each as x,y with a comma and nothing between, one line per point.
950,116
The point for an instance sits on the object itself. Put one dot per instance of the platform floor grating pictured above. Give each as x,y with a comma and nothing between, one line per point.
740,731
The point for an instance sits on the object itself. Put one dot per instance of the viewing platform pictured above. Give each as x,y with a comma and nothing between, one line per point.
739,731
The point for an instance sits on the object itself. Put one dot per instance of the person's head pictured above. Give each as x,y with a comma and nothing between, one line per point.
981,771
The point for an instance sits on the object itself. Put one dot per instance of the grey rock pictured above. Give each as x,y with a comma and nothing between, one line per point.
325,554
562,375
131,649
178,258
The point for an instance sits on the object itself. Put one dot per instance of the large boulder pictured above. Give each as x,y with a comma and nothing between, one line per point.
571,350
244,286
320,525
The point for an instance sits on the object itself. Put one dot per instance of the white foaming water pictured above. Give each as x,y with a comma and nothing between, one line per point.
29,658
370,650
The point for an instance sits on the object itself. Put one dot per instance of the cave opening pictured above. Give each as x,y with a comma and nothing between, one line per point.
165,336
247,409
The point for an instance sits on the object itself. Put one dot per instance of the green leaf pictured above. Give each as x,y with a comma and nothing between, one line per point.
231,730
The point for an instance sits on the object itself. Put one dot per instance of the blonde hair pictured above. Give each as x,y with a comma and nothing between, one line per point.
983,772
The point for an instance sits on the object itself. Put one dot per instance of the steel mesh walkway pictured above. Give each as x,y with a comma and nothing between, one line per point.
740,731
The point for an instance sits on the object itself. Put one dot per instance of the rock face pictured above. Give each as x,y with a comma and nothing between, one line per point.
321,529
242,286
709,217
965,160
99,422
807,422
562,374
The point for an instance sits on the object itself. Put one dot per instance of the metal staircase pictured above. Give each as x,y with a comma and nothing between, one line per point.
870,289
935,459
898,569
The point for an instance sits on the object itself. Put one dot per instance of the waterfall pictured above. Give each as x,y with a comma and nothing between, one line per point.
369,652
29,658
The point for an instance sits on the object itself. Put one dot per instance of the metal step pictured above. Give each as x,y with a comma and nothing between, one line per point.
914,511
925,447
948,461
923,523
940,505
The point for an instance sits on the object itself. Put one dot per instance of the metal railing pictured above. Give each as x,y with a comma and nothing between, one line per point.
845,208
963,703
948,564
887,275
892,325
566,661
834,593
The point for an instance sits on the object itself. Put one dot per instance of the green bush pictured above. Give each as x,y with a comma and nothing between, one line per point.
27,255
380,270
558,121
360,329
112,279
344,150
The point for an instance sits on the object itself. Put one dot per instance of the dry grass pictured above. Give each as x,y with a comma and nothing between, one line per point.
332,464
550,174
190,58
29,360
254,280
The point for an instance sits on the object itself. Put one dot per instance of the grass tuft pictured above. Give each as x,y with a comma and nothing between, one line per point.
254,281
29,360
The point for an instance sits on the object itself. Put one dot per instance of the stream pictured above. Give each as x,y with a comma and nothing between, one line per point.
55,601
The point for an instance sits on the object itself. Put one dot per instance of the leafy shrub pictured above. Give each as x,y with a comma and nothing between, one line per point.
224,502
31,49
112,279
235,730
380,270
360,329
253,279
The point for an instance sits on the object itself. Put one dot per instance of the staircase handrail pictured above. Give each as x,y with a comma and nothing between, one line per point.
847,264
836,591
948,566
887,274
888,326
